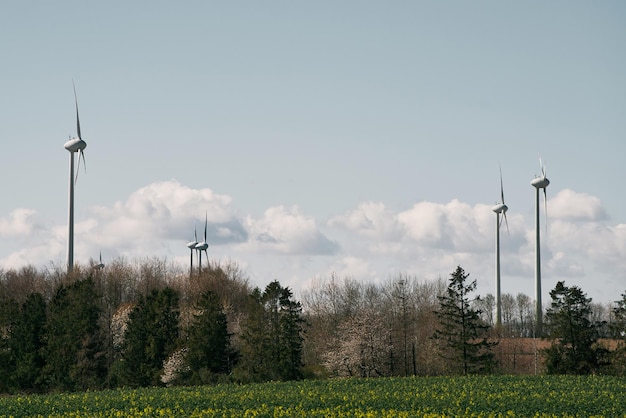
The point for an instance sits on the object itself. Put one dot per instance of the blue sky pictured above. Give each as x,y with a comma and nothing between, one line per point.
356,137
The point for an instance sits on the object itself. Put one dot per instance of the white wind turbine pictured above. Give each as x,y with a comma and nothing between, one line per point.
500,210
74,145
538,183
192,247
202,246
100,265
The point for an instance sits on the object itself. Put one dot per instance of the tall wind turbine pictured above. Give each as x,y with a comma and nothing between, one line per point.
202,246
539,183
74,145
100,265
192,247
500,210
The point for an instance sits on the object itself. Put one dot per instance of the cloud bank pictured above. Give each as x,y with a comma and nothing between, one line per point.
368,242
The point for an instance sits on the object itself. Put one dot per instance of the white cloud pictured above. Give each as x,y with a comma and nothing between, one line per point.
353,267
287,231
571,205
166,211
369,242
19,223
369,219
455,225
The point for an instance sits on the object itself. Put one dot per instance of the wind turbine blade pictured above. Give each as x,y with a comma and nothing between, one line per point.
81,155
501,186
205,225
195,234
77,170
507,223
77,118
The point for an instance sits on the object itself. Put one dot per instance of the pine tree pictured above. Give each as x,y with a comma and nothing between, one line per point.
9,310
462,334
618,332
73,349
291,341
208,352
272,337
568,322
26,343
152,335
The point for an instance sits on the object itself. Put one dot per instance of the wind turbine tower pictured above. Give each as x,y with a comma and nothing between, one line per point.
74,145
192,247
539,183
500,210
202,246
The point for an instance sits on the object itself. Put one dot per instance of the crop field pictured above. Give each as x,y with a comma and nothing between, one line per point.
493,396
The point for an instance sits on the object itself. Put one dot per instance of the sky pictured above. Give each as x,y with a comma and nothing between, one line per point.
360,139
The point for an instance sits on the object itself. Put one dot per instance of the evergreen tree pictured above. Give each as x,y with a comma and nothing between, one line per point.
208,346
618,327
575,350
26,343
291,330
73,343
151,337
462,334
618,332
272,336
255,363
9,310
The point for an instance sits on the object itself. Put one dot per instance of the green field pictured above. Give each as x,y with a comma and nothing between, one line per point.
493,396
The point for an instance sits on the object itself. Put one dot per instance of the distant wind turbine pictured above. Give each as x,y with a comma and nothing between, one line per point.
100,265
538,183
74,145
500,210
202,246
192,247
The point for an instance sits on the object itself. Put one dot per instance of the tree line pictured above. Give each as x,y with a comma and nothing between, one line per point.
148,323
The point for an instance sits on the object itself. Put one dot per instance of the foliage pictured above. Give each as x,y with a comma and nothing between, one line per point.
619,322
618,331
208,352
462,334
151,337
271,335
575,350
9,310
363,348
27,342
473,396
73,342
353,328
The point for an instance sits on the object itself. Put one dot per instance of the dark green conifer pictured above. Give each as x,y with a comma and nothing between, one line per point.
462,334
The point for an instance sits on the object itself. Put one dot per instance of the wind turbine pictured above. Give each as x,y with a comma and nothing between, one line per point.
192,246
100,265
74,145
538,183
500,210
202,246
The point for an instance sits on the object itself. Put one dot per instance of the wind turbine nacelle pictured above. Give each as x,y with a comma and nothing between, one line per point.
192,245
500,208
202,246
540,182
75,145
